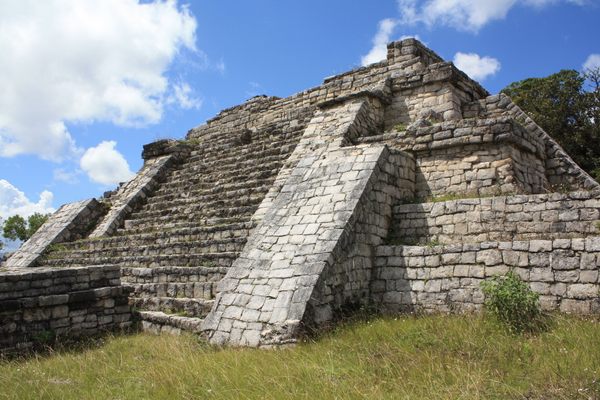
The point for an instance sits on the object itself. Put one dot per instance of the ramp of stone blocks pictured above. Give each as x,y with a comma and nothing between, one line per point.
71,221
158,158
131,194
311,252
336,123
291,270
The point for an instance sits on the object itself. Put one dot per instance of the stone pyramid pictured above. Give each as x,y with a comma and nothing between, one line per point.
399,186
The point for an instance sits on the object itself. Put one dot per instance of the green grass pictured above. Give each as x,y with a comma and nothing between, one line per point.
436,357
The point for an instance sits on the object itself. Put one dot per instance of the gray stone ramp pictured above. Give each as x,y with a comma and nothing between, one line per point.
305,246
69,222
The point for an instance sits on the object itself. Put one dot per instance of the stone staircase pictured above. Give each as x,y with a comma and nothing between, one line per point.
279,215
175,247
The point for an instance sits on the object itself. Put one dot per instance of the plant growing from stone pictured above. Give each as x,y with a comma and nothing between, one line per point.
512,302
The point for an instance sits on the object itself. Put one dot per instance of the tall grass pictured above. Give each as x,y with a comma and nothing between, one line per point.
435,357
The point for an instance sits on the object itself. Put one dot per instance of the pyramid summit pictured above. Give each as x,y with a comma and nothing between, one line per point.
400,186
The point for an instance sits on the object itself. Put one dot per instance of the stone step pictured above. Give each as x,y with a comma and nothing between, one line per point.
200,186
172,274
191,201
197,290
169,226
215,228
284,143
198,234
247,160
196,191
193,211
220,167
207,259
158,322
182,306
126,247
200,173
206,217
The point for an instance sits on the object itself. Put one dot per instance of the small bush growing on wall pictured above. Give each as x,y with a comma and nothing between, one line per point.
513,303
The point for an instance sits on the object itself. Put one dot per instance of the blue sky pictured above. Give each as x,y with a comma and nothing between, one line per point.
88,82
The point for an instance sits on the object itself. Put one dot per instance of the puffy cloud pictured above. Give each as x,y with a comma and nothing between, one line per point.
475,66
469,15
593,61
105,165
182,96
379,50
62,175
70,61
13,201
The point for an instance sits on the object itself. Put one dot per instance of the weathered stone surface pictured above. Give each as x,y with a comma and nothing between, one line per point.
69,222
40,303
131,194
271,218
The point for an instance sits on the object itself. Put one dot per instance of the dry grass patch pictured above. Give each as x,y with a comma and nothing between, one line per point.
434,357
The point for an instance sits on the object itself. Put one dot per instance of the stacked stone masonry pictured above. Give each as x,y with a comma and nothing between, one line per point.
278,215
40,304
503,218
448,278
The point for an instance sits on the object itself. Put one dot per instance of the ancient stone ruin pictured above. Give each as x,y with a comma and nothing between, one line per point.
399,186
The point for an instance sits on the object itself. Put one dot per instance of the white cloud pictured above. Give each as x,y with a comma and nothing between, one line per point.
475,66
182,96
62,175
105,165
466,15
593,61
379,50
13,201
70,61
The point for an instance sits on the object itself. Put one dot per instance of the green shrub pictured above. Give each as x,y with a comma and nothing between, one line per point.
513,303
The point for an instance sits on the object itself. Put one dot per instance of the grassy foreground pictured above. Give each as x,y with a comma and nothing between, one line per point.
435,357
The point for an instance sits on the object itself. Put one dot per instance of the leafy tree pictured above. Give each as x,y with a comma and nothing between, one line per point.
35,221
16,227
563,106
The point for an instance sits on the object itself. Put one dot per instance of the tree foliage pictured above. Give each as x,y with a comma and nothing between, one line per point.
14,228
17,228
35,221
567,106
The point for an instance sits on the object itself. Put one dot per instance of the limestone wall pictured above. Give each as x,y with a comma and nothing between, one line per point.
448,278
490,156
562,172
521,217
437,93
39,305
